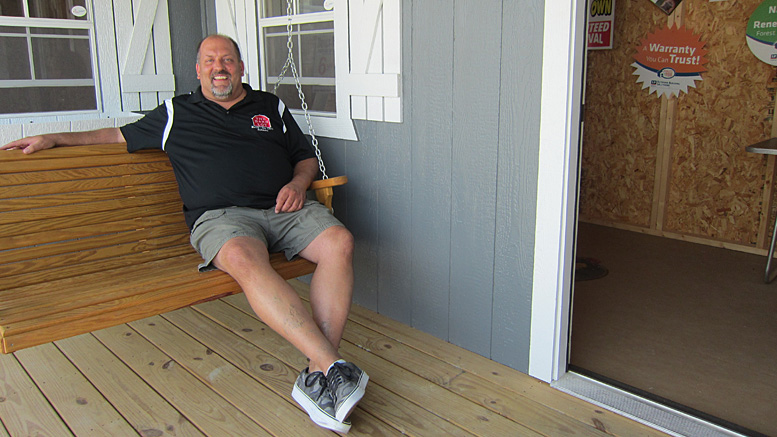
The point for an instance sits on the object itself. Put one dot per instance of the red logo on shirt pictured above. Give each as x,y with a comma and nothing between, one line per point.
261,123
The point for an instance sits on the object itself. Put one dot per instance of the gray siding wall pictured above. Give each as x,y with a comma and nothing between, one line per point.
443,205
187,28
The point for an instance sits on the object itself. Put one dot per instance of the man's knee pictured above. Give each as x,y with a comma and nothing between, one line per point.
341,240
336,242
241,253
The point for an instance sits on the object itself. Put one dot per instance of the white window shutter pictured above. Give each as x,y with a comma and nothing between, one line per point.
374,47
237,19
144,54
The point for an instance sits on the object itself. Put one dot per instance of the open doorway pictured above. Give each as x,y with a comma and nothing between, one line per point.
674,219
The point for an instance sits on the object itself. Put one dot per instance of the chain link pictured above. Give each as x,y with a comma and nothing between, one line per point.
290,64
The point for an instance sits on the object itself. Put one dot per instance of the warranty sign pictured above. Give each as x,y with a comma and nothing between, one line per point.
762,32
669,61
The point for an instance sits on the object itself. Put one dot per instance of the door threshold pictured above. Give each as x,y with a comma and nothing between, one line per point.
669,420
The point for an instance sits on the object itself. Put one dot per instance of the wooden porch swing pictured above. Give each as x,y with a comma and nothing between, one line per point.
92,237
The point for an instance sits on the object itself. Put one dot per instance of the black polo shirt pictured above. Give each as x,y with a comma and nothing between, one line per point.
242,156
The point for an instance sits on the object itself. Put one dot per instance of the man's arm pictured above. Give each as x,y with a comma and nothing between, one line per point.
46,141
292,196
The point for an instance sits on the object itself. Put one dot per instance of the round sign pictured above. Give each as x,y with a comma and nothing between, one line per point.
762,32
78,11
670,60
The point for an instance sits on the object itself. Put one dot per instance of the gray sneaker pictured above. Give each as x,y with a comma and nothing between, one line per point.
347,383
312,393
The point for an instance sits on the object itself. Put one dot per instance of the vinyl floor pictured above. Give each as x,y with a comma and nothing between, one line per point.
693,324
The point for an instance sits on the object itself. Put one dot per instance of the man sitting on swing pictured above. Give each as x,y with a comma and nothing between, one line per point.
243,167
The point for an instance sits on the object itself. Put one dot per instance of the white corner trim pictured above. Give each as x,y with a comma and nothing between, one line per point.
563,53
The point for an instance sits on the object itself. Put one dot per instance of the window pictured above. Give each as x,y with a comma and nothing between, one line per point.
48,52
313,51
348,54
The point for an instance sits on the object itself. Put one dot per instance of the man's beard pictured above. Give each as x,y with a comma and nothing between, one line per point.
221,94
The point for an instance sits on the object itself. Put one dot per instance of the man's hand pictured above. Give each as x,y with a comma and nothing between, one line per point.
291,198
293,195
30,144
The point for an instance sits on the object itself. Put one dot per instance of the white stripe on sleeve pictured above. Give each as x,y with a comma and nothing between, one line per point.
169,125
281,108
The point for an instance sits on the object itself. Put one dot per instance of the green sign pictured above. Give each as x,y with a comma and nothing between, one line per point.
762,32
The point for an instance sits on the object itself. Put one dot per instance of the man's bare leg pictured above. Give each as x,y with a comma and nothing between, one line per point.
246,259
328,395
331,288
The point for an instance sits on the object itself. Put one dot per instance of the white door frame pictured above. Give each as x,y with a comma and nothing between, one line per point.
562,91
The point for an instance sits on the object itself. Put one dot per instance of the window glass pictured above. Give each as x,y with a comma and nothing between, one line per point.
319,98
318,50
55,31
12,8
16,49
46,99
277,8
47,69
63,9
308,6
11,29
274,8
275,48
314,58
61,58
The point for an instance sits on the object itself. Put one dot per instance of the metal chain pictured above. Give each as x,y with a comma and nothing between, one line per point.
290,63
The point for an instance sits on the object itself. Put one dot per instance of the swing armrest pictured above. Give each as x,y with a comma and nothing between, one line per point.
331,182
323,189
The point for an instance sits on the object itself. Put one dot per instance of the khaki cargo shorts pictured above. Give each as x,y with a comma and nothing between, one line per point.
290,232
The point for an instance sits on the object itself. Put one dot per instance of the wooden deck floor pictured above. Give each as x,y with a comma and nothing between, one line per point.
216,370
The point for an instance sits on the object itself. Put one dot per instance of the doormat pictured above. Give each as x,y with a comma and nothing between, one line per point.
587,269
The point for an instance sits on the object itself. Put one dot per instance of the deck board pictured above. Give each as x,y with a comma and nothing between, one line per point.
517,383
143,408
83,408
211,413
215,369
238,388
404,416
425,393
24,410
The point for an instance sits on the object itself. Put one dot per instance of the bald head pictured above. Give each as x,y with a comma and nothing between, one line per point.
223,37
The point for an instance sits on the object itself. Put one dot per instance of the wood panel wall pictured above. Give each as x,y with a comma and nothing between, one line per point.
677,166
620,134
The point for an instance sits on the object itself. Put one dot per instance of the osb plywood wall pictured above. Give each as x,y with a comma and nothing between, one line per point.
620,133
678,165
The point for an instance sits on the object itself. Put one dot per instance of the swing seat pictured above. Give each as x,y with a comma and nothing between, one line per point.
93,237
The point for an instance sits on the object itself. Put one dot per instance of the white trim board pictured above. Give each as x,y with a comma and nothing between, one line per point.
562,72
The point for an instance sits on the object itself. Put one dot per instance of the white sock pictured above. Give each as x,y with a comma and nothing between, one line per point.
341,361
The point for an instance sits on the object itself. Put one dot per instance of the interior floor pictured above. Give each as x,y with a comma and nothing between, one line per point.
689,323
